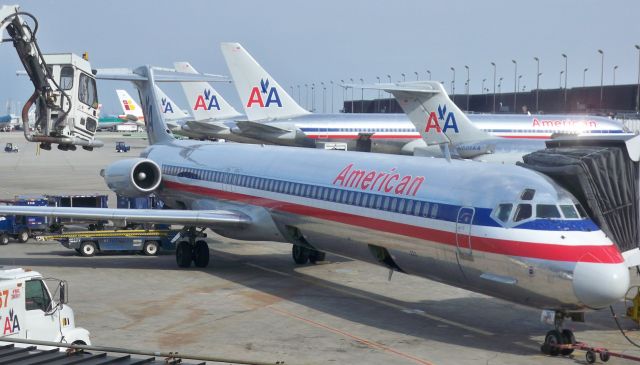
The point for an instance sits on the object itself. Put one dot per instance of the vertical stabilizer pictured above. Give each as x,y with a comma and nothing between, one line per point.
152,107
130,109
205,103
261,96
170,110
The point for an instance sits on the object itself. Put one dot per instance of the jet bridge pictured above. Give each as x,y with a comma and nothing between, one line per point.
602,173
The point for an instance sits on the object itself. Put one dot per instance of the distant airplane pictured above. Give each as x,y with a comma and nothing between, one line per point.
505,231
275,117
7,121
131,111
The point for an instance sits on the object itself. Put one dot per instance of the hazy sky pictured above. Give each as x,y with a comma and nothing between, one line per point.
302,42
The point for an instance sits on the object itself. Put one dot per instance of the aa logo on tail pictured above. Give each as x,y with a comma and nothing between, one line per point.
207,101
433,121
128,104
271,94
166,106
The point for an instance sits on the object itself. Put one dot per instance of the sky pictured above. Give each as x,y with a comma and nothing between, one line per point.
304,42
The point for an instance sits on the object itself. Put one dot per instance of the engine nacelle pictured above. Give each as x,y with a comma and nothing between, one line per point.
133,177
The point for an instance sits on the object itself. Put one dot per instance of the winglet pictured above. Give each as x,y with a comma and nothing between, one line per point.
261,96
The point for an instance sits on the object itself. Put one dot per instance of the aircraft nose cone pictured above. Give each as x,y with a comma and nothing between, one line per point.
599,285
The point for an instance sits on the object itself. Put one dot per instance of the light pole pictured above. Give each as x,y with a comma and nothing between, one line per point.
352,97
306,96
379,96
584,74
561,72
500,85
601,76
389,109
404,77
331,82
614,74
324,97
362,96
565,80
299,102
537,81
291,89
494,86
313,96
483,80
518,88
467,67
515,82
344,92
638,90
416,72
453,85
429,72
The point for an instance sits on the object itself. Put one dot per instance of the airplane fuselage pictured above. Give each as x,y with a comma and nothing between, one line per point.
426,217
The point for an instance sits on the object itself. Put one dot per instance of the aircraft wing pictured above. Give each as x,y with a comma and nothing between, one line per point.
246,125
217,218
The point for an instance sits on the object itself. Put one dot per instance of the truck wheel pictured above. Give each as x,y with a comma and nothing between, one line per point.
201,254
88,249
23,235
183,254
150,248
4,239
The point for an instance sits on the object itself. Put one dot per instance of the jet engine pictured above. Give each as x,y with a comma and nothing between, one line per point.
132,177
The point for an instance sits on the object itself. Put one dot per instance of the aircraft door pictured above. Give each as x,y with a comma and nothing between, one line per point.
463,231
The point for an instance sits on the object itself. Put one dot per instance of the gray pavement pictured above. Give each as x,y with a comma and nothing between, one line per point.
254,303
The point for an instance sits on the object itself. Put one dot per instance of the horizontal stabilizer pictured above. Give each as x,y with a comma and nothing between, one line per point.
210,126
246,125
218,218
159,75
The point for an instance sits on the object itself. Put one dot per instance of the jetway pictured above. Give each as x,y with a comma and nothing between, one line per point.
603,174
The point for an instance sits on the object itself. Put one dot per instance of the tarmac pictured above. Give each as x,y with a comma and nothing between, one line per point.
253,303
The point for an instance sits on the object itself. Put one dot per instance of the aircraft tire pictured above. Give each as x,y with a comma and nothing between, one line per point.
201,254
184,254
551,341
300,254
568,339
316,256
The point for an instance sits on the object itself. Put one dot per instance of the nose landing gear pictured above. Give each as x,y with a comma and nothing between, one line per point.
558,341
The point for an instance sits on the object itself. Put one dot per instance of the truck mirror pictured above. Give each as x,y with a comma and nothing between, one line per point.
63,293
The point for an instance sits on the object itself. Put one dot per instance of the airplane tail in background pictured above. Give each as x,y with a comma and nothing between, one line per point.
434,114
170,110
261,96
205,104
131,110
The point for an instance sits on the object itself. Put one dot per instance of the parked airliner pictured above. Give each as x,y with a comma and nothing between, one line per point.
274,116
505,231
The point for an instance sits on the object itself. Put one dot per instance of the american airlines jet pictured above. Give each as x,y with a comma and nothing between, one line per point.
521,237
275,117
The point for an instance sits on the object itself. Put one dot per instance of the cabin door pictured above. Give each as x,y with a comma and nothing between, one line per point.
463,232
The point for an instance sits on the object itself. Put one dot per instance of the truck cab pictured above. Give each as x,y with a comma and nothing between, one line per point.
29,310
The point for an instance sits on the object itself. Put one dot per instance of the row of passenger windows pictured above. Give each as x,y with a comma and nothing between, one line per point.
361,199
374,130
544,211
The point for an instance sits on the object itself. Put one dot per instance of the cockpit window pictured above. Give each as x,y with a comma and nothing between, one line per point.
527,194
522,212
504,211
569,211
547,211
581,211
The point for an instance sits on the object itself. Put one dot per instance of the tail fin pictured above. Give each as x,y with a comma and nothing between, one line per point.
152,107
170,110
130,108
204,101
434,115
261,96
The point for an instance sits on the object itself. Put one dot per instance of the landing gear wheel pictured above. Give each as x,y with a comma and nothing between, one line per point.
201,254
605,356
4,239
150,248
88,249
316,256
300,254
23,235
568,339
184,254
551,342
590,357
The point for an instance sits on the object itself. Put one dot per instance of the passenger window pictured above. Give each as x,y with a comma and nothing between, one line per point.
36,296
434,210
547,211
522,212
504,211
569,211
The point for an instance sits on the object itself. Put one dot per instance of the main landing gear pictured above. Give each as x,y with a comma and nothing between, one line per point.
556,338
301,255
192,250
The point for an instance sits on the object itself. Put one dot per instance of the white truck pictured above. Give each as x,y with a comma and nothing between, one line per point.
29,311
